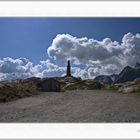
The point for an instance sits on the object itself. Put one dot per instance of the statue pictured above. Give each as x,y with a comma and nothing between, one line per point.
68,69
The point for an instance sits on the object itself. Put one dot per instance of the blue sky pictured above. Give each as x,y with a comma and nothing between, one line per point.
30,38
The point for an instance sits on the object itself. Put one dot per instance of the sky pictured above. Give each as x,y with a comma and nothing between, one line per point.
41,46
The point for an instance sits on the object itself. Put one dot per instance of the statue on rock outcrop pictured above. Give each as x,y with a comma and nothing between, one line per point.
68,69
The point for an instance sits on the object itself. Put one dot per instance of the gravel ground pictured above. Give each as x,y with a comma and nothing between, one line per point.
73,106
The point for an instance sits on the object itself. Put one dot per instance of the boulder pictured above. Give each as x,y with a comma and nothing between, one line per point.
49,85
130,87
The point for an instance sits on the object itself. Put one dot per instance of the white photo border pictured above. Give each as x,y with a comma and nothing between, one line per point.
70,9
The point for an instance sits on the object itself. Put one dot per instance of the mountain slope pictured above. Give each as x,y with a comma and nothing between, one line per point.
128,74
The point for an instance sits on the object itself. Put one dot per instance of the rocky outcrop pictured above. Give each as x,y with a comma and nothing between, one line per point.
84,84
103,79
49,85
46,84
130,87
67,80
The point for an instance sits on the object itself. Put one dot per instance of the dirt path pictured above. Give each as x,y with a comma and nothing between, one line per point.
73,106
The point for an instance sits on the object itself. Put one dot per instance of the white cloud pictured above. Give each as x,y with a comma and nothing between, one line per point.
83,50
131,45
99,57
51,69
17,68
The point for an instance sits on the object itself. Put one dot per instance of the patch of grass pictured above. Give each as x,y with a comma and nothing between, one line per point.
111,87
137,93
16,90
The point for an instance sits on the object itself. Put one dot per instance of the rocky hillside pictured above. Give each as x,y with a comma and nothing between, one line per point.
12,90
114,77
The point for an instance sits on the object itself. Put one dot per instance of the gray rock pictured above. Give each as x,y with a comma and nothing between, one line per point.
130,87
49,85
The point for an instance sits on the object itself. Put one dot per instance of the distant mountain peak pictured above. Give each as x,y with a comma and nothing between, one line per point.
137,65
129,74
113,77
127,68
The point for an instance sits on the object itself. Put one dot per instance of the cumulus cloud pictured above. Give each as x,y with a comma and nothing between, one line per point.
51,69
82,50
97,57
131,45
100,57
17,68
22,68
